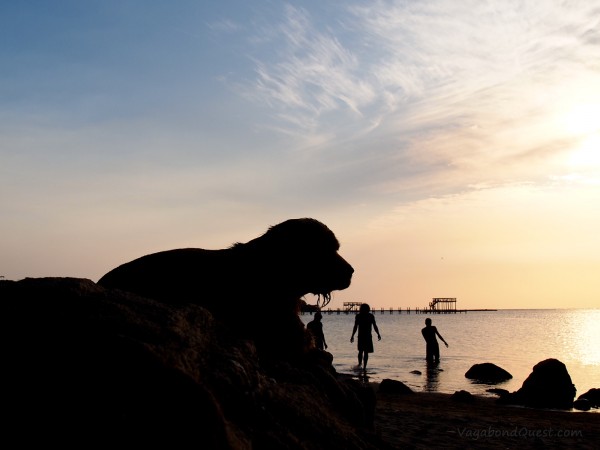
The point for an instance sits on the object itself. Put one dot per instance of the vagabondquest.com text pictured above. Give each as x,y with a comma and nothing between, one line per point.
521,432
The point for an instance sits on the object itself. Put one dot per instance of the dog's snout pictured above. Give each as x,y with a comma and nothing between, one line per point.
346,267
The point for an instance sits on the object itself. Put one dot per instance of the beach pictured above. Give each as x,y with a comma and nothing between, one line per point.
435,420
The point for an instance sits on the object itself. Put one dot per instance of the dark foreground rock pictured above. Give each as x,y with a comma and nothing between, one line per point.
487,373
548,386
589,399
463,397
86,367
388,386
499,392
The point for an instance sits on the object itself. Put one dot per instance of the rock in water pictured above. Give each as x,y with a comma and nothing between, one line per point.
463,397
389,386
592,396
487,373
548,386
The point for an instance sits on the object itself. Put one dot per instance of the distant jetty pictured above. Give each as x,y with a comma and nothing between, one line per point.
438,305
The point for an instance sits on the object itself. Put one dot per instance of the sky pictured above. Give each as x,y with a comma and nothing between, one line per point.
452,147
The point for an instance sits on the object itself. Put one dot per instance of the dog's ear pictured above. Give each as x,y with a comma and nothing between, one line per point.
306,234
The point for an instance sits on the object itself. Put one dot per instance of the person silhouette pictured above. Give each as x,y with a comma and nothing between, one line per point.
364,322
315,327
432,349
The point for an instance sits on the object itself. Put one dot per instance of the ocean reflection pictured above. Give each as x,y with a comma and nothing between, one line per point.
586,336
432,377
515,340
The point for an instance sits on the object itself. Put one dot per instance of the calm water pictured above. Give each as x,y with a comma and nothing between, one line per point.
515,340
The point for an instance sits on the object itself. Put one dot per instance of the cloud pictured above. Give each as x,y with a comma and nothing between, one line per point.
460,86
312,72
225,26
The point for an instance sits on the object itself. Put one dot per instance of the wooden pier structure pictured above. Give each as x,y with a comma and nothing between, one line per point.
443,304
439,305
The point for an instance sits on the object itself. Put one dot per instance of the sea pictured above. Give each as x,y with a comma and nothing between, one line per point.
514,339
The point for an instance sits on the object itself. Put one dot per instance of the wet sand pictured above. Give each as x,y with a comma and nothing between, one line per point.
432,420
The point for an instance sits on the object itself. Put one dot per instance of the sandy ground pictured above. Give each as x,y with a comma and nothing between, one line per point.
430,420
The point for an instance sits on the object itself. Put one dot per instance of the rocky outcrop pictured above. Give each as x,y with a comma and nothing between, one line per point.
388,386
548,386
86,366
487,373
462,397
591,398
501,393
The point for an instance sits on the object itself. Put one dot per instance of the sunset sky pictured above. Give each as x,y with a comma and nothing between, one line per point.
453,147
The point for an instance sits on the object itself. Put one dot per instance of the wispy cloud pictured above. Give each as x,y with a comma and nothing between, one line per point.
473,80
225,26
311,71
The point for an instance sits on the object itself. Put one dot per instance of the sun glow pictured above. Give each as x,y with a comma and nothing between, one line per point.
587,332
583,119
587,154
582,123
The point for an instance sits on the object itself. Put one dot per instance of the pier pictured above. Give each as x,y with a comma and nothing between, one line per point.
439,305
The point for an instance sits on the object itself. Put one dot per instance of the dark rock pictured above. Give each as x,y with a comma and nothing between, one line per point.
416,372
548,386
388,386
582,404
462,397
487,373
503,394
592,396
498,391
88,366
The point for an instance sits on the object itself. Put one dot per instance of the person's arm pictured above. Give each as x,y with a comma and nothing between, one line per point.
376,329
438,333
354,330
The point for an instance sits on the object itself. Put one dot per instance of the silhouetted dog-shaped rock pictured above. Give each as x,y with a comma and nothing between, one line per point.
254,286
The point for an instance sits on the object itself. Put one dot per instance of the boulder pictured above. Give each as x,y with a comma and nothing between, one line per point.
86,366
462,397
389,386
548,386
592,396
499,392
582,404
488,373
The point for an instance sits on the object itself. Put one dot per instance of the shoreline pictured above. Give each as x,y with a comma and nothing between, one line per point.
435,420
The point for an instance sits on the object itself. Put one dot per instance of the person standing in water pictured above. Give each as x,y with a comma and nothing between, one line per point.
432,349
364,322
316,328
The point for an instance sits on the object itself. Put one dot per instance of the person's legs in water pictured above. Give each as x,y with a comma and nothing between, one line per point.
360,358
435,352
365,359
